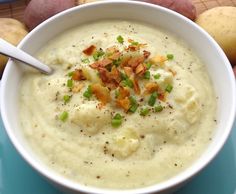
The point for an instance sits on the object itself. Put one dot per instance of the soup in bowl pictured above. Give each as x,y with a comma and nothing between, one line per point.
137,102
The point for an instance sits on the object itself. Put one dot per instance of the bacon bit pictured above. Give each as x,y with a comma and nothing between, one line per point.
123,93
90,50
128,71
78,75
102,93
140,69
112,49
110,79
136,86
151,87
76,88
125,61
172,71
158,59
115,56
132,48
135,61
146,54
101,63
162,97
115,74
123,103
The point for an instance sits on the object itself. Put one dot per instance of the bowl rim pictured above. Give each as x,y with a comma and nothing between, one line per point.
72,185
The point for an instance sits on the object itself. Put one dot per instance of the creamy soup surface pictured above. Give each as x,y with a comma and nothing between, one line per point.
129,105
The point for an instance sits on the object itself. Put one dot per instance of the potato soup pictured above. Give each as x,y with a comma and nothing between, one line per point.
128,105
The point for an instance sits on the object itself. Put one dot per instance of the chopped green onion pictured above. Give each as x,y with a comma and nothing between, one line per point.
152,99
147,75
132,100
134,104
85,60
88,93
123,76
170,56
63,116
70,74
117,116
117,93
98,54
128,83
133,108
116,120
117,62
69,83
169,88
148,65
157,76
134,43
144,111
120,39
66,98
158,108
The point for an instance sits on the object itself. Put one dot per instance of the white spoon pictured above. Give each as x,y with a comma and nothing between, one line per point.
11,51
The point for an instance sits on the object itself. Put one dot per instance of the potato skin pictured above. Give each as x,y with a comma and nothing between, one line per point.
13,32
220,23
184,7
39,10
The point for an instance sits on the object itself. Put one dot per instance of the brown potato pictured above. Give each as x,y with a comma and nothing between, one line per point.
220,23
184,7
12,31
39,10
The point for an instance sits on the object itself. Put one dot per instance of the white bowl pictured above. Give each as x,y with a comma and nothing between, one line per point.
204,46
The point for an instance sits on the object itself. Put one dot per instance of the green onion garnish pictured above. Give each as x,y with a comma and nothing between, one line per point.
69,83
88,93
63,116
144,111
66,98
147,75
123,76
157,76
158,108
98,54
134,104
169,88
134,43
70,74
117,93
148,65
170,56
120,39
85,60
127,82
152,99
133,108
117,62
116,120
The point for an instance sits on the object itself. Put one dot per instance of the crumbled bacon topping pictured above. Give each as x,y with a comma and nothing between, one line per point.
121,71
123,103
78,75
90,50
102,93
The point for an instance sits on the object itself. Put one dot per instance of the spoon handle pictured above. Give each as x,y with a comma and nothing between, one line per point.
11,51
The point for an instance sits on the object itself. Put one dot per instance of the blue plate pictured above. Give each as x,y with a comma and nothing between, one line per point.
17,177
